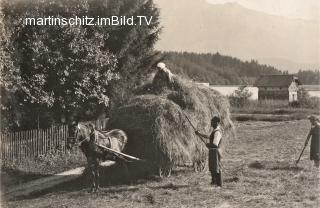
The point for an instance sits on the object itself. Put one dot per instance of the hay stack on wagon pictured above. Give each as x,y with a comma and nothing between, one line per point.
155,122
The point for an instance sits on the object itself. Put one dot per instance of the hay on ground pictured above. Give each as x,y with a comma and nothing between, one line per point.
157,128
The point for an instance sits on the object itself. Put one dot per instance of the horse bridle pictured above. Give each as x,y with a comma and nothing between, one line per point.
76,136
86,138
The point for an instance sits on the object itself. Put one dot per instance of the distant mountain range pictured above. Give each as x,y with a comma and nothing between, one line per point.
218,69
230,29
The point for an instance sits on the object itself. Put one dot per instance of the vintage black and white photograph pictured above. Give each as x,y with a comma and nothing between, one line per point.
159,103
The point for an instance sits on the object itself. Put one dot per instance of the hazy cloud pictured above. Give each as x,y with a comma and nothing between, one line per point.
304,9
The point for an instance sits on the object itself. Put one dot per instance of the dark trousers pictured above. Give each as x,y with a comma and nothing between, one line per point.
214,167
216,178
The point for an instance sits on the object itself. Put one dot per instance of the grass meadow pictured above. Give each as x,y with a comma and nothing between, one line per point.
17,172
258,171
274,110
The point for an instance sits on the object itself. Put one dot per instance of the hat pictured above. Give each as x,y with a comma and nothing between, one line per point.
161,65
313,118
216,119
91,125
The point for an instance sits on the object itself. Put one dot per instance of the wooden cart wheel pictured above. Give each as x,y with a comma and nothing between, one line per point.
165,171
199,166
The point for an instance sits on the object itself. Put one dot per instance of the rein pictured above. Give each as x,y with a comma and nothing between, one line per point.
79,143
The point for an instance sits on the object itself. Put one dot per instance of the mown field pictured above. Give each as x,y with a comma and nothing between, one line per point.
274,110
258,171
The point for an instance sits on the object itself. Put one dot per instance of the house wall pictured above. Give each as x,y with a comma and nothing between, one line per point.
293,92
273,94
279,93
293,96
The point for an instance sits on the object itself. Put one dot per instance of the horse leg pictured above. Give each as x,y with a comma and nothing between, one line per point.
92,165
124,168
92,176
96,178
95,175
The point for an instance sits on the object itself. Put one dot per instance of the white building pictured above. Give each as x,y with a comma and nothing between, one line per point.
228,90
278,87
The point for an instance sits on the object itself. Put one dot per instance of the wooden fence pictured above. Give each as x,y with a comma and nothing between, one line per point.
32,143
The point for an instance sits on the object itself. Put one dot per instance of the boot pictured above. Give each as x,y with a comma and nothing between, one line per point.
213,178
219,179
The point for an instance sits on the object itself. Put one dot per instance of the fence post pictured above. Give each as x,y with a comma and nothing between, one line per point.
28,144
55,135
1,142
15,147
10,146
6,146
34,143
20,145
43,142
65,137
31,144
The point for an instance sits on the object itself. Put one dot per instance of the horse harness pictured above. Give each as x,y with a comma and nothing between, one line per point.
86,138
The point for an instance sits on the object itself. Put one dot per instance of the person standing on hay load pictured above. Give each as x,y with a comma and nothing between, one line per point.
314,134
163,77
214,147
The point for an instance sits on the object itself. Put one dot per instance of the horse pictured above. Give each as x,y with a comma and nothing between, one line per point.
90,145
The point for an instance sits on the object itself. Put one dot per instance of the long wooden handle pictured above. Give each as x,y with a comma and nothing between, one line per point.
119,153
194,128
300,154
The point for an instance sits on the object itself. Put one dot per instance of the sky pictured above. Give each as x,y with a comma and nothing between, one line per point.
297,9
270,31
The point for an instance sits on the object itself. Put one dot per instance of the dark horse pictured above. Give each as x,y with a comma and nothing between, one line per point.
90,142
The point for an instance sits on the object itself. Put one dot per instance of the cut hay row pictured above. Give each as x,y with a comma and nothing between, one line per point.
47,182
156,124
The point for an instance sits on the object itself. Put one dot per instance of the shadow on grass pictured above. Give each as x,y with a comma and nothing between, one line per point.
232,180
288,167
13,177
112,180
267,117
170,186
182,170
274,165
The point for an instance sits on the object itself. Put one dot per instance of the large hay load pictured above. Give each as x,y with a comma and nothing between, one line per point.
156,124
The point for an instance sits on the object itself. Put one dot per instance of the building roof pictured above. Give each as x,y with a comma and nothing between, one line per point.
275,81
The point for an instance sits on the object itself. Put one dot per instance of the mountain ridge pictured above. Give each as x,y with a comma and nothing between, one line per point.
231,29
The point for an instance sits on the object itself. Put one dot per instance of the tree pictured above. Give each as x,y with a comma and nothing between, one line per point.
240,97
133,45
55,71
216,68
309,77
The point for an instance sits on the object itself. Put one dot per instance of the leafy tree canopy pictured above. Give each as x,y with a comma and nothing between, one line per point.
61,69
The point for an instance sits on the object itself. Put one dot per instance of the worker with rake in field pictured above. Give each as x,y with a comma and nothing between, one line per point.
214,147
314,134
